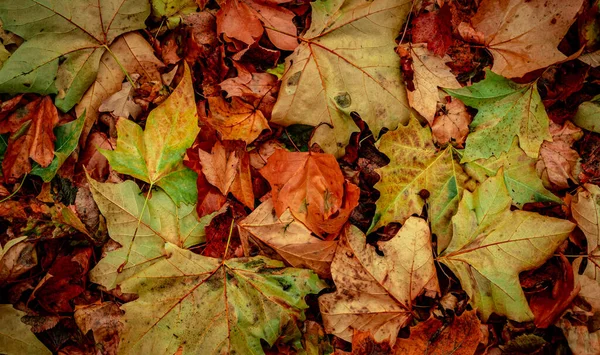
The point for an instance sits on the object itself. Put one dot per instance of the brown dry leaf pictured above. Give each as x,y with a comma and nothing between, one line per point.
16,258
524,35
558,161
103,320
92,160
460,337
581,341
12,209
136,56
375,293
34,139
288,237
258,89
260,155
364,343
312,186
121,103
227,167
453,125
430,72
244,20
236,120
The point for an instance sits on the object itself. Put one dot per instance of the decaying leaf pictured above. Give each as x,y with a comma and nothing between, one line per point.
416,165
581,340
16,258
491,245
289,238
312,186
505,110
103,320
236,120
345,63
558,161
453,125
62,53
204,305
155,155
15,336
460,337
121,103
523,36
585,208
375,292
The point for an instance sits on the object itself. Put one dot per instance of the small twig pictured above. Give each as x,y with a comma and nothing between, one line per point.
229,238
15,192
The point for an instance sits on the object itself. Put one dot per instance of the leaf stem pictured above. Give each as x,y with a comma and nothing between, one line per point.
120,66
122,266
15,192
229,238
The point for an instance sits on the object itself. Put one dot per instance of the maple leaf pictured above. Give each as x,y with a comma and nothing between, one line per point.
558,161
259,89
524,36
312,186
103,320
346,63
155,155
461,337
520,176
136,56
505,110
415,165
62,53
142,236
452,125
228,169
15,336
430,72
588,114
246,20
34,139
288,237
434,29
491,245
205,305
375,293
236,120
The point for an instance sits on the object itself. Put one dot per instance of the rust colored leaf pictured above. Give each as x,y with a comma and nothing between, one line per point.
453,125
236,120
460,337
103,320
312,186
558,160
435,29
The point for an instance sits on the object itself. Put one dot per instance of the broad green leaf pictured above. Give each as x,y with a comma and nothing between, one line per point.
172,10
203,305
588,115
505,110
67,138
156,154
520,176
345,63
415,165
162,221
491,245
15,337
64,42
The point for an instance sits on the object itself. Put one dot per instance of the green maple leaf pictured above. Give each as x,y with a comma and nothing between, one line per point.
346,63
64,42
491,245
415,165
156,154
142,236
506,110
520,176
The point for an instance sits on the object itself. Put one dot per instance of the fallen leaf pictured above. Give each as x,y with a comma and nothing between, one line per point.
524,36
294,243
505,110
258,89
585,209
588,115
491,245
345,63
155,155
581,340
121,103
453,125
520,176
460,337
415,165
243,302
245,20
162,221
172,10
136,56
91,160
103,320
16,258
430,73
210,199
364,343
61,55
15,336
558,161
236,120
375,293
592,59
312,186
435,29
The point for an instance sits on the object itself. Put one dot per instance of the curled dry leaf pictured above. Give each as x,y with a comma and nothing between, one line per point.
558,161
258,89
581,340
375,292
16,258
288,237
312,186
121,103
453,125
460,337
